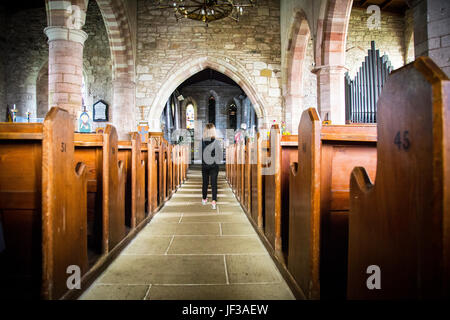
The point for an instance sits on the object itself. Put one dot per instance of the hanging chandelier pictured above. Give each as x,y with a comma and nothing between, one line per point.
204,10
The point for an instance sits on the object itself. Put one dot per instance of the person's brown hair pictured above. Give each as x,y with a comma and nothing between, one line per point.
209,132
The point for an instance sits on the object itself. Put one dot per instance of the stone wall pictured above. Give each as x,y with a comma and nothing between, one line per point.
432,31
2,63
389,39
252,45
97,61
224,94
27,53
309,83
409,36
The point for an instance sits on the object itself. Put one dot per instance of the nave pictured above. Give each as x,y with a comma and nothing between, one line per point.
191,252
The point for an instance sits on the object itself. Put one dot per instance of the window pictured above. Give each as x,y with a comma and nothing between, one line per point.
212,111
232,117
190,117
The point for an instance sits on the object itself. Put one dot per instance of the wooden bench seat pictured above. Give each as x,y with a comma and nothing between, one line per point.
42,207
280,151
106,189
401,223
319,202
133,157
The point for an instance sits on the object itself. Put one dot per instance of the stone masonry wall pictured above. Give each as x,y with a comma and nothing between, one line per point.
254,43
224,94
27,53
309,82
2,63
97,61
432,31
389,39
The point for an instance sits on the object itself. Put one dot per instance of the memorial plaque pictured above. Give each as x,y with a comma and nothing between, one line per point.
100,111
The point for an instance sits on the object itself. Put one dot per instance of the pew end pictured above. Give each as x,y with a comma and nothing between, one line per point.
398,225
360,181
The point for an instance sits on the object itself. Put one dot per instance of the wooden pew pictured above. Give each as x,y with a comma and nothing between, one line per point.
42,207
133,157
319,202
256,182
246,190
156,177
283,151
227,163
106,189
401,223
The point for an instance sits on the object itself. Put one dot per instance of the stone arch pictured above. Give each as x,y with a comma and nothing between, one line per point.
61,26
117,26
335,27
299,37
42,104
330,60
119,34
187,67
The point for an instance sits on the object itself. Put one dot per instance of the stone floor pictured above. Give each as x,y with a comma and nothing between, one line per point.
191,252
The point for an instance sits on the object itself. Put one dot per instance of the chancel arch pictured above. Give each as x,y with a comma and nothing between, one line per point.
187,68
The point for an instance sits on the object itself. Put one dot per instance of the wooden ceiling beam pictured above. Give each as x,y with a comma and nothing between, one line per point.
362,3
386,4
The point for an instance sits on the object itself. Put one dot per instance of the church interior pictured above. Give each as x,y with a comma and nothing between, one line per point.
334,154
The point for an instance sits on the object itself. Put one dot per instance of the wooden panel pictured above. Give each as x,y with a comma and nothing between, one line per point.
125,155
44,240
289,154
401,223
139,178
113,191
247,179
152,172
272,181
257,185
92,156
63,204
304,208
319,197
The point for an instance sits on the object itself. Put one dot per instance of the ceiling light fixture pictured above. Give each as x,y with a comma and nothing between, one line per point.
204,10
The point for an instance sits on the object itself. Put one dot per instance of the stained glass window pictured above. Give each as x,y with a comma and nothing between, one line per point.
190,117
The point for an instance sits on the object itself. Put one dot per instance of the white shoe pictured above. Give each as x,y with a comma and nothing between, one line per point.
213,204
204,202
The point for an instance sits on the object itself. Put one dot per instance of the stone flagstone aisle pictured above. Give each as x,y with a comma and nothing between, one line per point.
191,252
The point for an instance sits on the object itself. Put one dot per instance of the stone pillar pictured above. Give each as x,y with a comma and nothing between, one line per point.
432,32
124,107
293,107
331,89
65,68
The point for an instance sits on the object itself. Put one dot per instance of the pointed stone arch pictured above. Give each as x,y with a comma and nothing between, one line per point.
186,68
299,36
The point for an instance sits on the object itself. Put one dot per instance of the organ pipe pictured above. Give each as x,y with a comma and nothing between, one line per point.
362,93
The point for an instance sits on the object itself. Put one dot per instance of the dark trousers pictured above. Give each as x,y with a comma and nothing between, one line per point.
207,172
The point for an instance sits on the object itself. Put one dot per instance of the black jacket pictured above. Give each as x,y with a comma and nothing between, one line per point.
206,143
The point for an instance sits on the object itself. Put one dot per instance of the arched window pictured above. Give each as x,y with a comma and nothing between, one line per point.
212,110
190,116
232,116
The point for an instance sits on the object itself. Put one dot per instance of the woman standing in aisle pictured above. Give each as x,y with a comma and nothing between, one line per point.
210,163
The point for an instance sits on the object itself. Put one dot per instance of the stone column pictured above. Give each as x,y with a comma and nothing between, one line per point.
124,107
432,32
294,105
331,89
65,68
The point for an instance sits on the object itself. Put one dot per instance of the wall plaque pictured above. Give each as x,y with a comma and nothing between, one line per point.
100,111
